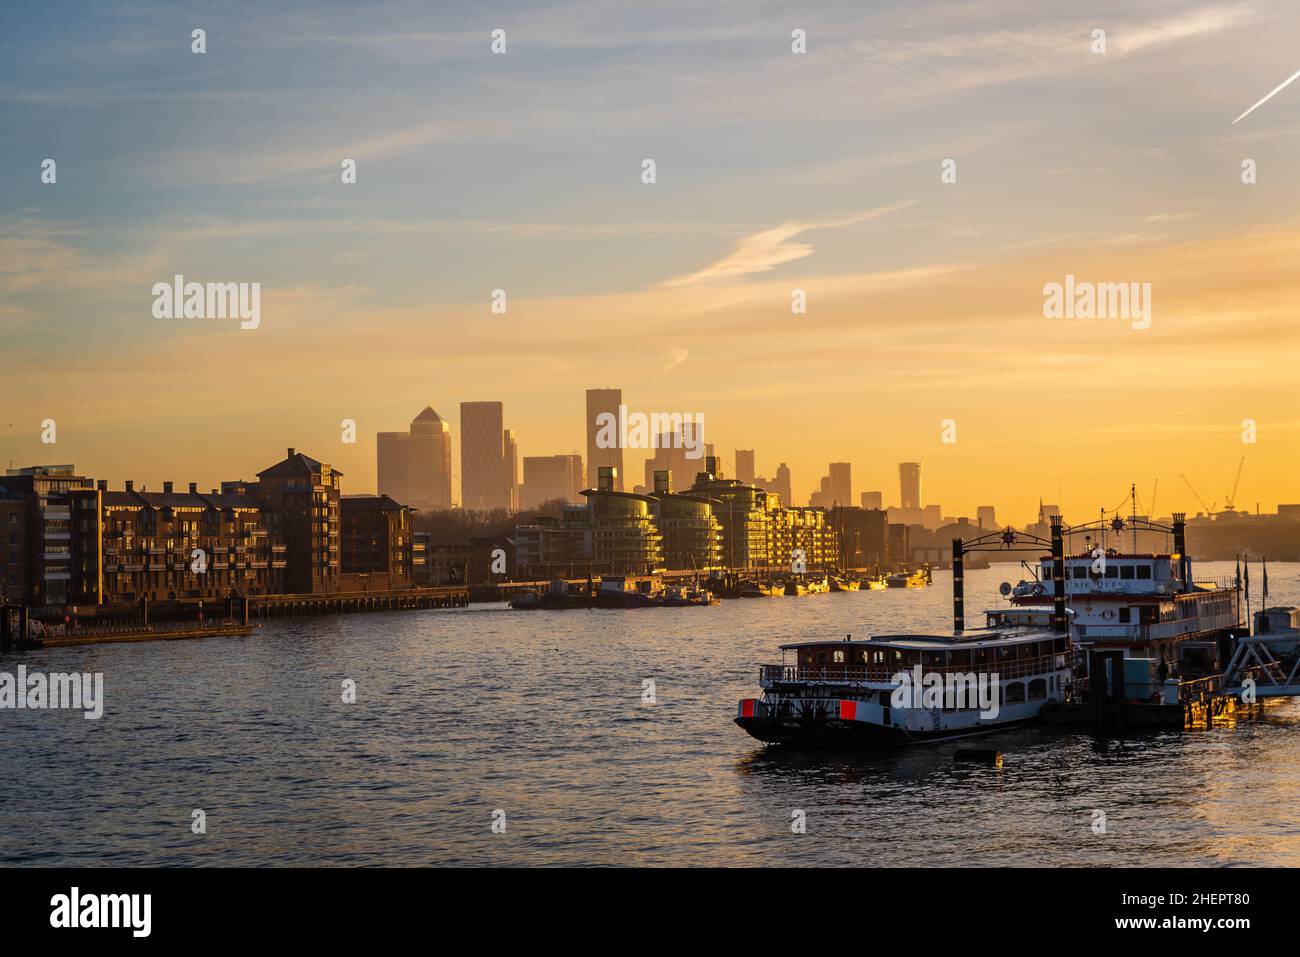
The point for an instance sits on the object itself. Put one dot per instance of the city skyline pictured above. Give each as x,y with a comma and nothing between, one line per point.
923,297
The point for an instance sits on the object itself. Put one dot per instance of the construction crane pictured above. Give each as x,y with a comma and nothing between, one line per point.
1209,509
1230,503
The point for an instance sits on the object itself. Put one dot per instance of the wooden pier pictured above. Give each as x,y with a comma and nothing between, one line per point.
342,603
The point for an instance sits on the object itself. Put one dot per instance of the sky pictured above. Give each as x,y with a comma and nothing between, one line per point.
775,171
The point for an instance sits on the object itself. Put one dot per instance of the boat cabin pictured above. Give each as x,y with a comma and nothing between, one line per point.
880,658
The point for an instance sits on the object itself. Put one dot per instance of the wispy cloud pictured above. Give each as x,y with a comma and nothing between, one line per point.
763,252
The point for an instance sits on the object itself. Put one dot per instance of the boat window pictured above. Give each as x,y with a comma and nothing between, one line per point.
1124,616
1037,689
1015,692
1112,571
1126,572
1080,571
839,657
821,658
1144,572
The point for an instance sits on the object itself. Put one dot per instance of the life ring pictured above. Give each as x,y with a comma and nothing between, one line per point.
1108,614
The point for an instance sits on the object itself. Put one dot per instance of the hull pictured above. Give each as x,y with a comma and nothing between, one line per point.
857,735
627,599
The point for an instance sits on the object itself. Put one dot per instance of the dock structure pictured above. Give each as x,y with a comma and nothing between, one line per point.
20,628
339,603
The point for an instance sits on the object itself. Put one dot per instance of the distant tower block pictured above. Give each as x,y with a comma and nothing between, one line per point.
603,401
873,500
909,481
745,466
841,483
986,516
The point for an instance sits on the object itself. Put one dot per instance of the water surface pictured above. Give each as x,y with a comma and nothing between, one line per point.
540,714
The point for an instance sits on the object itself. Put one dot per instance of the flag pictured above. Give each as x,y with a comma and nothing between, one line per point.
1238,571
1265,581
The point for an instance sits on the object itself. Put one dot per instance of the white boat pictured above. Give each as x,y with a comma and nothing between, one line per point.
1146,605
906,689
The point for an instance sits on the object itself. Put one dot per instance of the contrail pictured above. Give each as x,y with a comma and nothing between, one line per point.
1274,92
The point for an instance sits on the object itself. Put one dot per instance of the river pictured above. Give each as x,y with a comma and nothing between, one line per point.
461,713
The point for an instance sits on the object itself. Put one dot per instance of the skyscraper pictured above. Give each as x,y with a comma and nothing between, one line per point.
841,487
909,480
873,500
429,462
745,466
598,401
781,484
415,467
548,477
392,454
483,470
510,451
986,516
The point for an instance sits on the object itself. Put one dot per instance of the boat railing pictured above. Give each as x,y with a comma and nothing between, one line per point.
878,674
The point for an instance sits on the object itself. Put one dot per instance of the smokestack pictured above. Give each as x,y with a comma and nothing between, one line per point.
102,485
1180,547
663,482
167,488
130,485
292,451
194,488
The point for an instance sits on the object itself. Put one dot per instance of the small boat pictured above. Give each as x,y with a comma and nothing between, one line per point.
615,593
817,586
844,584
876,583
678,597
795,587
526,600
752,589
914,579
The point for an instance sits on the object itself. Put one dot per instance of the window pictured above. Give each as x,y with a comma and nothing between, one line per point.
1144,572
1037,689
1080,571
838,657
1124,616
1112,571
1015,692
1126,572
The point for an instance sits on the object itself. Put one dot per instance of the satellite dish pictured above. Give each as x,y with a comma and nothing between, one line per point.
1005,589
